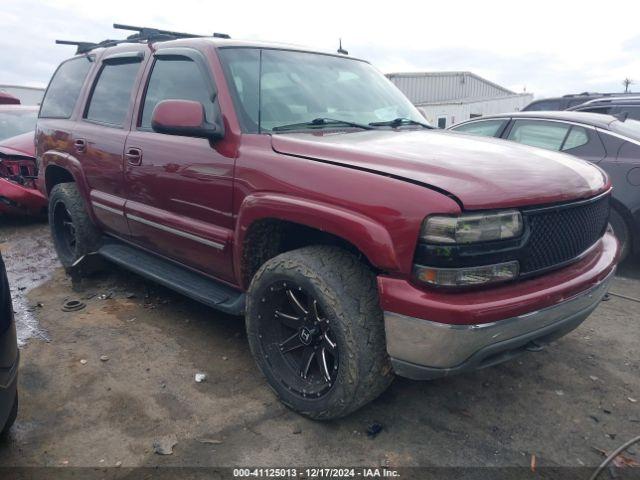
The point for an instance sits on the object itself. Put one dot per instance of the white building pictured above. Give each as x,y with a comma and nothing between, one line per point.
445,98
27,95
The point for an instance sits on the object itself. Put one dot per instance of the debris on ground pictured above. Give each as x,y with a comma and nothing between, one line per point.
83,361
594,378
164,445
105,296
632,400
374,429
533,462
225,358
297,431
560,393
73,305
104,358
210,441
201,377
130,295
118,463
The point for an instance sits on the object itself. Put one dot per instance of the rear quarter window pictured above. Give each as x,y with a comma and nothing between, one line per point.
484,128
64,88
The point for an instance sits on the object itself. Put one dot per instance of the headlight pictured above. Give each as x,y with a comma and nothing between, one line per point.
472,227
467,276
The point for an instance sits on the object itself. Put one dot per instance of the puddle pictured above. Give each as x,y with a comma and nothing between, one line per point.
30,260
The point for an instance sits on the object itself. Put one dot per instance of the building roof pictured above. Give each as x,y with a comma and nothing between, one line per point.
431,87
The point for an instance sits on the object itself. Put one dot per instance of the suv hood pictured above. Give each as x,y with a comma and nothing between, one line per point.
480,172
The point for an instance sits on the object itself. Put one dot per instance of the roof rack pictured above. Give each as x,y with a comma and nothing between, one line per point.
144,34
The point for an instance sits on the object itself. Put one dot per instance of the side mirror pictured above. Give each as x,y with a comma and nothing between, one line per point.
183,117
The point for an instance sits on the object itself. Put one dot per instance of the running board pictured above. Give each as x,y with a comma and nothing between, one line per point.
173,276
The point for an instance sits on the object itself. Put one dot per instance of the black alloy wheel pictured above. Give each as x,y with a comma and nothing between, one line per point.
298,340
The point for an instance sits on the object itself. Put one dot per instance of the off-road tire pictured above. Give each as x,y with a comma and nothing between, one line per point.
621,231
11,419
87,235
346,290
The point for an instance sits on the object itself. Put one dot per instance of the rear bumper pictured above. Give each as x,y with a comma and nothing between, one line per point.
456,332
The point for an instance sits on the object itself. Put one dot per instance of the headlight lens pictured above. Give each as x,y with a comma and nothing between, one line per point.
468,276
472,227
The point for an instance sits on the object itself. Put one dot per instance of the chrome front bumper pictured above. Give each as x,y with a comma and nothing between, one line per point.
422,349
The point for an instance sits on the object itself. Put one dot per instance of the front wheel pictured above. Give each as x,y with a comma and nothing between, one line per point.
316,331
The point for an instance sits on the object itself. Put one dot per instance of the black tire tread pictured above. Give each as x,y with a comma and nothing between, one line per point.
88,237
350,287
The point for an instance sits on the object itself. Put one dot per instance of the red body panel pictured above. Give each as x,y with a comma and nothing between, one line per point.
373,189
17,158
500,302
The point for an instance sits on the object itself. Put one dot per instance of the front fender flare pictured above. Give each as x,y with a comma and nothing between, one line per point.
366,234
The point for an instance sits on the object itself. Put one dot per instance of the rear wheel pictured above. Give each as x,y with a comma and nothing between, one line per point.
622,233
316,331
74,234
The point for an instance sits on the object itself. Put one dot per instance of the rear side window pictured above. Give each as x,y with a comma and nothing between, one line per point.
633,111
577,137
485,128
111,94
176,78
549,135
543,105
604,110
64,88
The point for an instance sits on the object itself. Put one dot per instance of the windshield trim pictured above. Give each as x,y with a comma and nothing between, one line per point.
291,49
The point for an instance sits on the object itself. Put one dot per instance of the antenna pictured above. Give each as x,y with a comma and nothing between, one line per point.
341,50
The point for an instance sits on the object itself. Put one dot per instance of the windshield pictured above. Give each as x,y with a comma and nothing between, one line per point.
274,88
16,122
629,128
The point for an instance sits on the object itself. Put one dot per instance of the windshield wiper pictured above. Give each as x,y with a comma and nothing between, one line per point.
321,122
397,122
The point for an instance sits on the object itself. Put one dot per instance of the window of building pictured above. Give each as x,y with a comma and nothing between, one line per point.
442,122
64,88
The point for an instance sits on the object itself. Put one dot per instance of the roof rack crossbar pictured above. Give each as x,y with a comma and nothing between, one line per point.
144,32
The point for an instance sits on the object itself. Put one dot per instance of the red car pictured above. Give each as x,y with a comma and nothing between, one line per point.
302,190
19,194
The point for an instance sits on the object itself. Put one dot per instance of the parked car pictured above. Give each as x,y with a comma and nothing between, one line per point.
19,194
612,144
7,99
619,106
302,190
8,357
16,120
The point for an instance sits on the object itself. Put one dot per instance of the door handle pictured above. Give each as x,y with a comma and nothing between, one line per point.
134,156
80,144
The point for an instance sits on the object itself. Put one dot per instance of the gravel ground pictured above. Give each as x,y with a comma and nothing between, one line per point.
565,405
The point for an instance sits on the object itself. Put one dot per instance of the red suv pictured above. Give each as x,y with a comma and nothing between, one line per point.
302,190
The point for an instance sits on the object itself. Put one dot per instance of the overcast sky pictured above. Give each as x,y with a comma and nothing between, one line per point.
548,47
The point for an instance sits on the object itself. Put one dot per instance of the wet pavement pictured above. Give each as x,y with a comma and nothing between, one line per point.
30,260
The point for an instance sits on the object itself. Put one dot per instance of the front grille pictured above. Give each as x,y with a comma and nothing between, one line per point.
560,234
